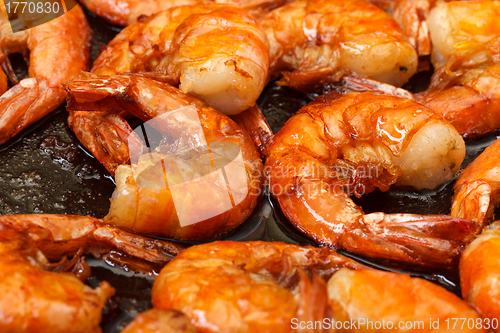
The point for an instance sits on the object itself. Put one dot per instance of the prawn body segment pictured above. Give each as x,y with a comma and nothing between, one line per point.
59,50
202,181
354,144
313,42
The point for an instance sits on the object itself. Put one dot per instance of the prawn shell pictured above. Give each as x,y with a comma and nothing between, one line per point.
480,273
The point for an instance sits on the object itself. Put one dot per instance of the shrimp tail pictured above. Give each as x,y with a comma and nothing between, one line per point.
148,249
90,93
361,84
472,201
254,122
313,305
108,136
25,103
433,240
62,235
306,79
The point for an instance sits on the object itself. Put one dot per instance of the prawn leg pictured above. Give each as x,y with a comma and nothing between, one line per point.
429,240
107,135
34,291
60,235
411,16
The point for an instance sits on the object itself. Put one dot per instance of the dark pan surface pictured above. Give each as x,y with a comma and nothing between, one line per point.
46,170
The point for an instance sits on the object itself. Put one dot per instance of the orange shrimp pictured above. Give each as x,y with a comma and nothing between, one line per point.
67,234
479,274
225,63
160,321
465,55
411,15
388,302
175,191
59,50
248,287
317,41
277,287
126,12
32,296
31,245
3,82
353,144
477,190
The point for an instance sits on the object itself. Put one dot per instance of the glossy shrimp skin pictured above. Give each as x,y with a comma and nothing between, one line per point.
318,41
160,321
411,15
477,189
353,144
126,12
217,53
465,56
479,273
68,234
145,204
32,296
396,299
248,287
59,50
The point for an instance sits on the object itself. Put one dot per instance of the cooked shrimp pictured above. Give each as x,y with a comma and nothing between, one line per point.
59,50
179,195
465,55
480,273
126,12
477,190
388,302
225,63
318,41
248,287
160,321
412,17
277,287
37,300
354,144
217,53
67,234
